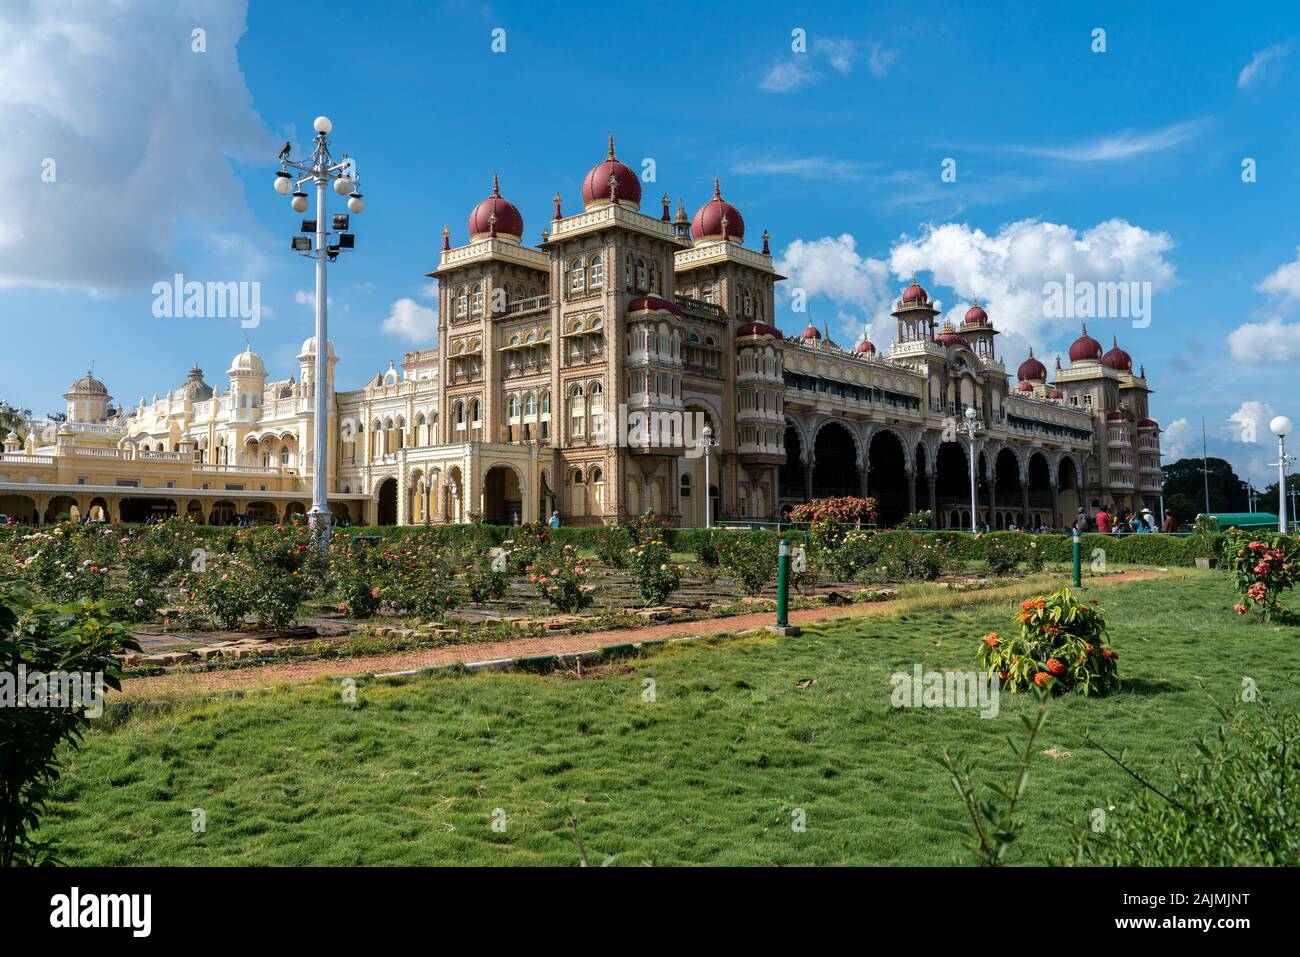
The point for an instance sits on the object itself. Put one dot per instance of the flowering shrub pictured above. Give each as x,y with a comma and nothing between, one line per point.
612,544
525,544
221,594
561,579
750,560
1262,567
896,556
656,575
483,582
1005,552
355,571
1062,645
417,577
847,510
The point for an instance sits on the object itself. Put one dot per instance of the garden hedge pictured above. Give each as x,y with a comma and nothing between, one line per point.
1162,550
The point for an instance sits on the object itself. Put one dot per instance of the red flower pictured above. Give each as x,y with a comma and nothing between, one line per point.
1239,609
1055,667
1109,654
1042,679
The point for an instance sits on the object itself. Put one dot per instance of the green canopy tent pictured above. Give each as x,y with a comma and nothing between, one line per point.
1244,519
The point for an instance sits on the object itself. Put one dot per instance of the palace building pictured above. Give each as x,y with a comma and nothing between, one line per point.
628,361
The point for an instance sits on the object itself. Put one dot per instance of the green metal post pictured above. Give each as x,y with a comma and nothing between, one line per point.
783,585
1078,582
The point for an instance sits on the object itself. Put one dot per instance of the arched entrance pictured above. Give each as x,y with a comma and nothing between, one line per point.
952,485
503,500
223,513
1040,491
887,480
20,508
835,463
141,510
1006,488
1067,481
790,477
387,495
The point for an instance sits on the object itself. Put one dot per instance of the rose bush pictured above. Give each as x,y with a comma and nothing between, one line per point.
1262,567
561,579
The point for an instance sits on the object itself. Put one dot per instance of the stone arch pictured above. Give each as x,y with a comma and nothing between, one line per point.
386,501
502,501
836,461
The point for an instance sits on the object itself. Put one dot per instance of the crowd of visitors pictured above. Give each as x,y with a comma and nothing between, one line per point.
1116,519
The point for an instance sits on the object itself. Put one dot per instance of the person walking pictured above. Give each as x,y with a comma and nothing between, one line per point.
555,520
1170,524
1103,520
1149,521
1081,520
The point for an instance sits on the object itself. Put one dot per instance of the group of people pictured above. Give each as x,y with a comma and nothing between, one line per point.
1117,519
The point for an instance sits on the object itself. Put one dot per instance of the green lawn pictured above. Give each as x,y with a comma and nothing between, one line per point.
709,773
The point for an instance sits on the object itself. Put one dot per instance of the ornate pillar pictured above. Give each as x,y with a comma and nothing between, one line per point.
1024,503
993,503
807,479
932,480
1056,505
911,491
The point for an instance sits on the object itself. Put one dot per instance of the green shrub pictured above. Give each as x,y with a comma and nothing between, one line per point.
1235,805
1062,645
561,578
1263,565
33,740
750,561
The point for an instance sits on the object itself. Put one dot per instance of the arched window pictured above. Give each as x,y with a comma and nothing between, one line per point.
596,272
462,302
684,489
474,416
513,407
460,415
627,272
477,304
577,276
641,274
546,403
707,292
530,404
577,477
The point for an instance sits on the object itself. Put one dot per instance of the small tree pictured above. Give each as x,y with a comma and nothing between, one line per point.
80,638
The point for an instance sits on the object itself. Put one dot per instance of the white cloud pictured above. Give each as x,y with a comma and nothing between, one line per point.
304,298
1284,281
1270,342
429,290
411,321
811,167
1242,438
1260,64
1176,441
141,156
832,267
840,54
881,59
787,75
1118,146
1008,269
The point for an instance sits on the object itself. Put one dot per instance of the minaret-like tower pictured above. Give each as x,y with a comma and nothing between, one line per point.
915,314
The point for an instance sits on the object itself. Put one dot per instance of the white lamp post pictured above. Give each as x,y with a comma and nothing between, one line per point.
320,168
707,433
971,427
1281,427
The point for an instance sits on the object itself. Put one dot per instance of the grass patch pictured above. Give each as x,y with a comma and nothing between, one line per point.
709,773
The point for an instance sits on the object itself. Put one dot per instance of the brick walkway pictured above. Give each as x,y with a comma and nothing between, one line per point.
550,645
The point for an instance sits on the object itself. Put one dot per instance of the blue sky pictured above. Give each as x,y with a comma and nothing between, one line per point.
1123,164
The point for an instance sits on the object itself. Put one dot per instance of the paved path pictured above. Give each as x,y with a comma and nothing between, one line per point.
548,645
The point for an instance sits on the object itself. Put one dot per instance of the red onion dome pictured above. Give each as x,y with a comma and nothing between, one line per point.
1116,416
810,334
652,304
508,221
1056,394
975,316
950,337
1117,358
595,185
1085,347
707,221
758,329
866,348
1148,424
1026,387
915,294
1031,370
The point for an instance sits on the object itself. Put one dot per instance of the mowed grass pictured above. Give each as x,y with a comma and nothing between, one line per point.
709,773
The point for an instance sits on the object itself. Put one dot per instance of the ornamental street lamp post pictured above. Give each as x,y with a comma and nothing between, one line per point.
707,433
970,426
1281,427
321,169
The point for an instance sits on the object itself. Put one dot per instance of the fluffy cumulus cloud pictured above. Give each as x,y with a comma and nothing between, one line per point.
833,267
94,145
1270,339
411,321
1242,438
1007,270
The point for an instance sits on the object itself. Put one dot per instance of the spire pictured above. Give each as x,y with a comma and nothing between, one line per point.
717,190
766,250
681,210
557,216
611,145
496,184
1085,326
666,202
1058,362
446,237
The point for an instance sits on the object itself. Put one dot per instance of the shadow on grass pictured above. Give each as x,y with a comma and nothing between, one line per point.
1141,686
